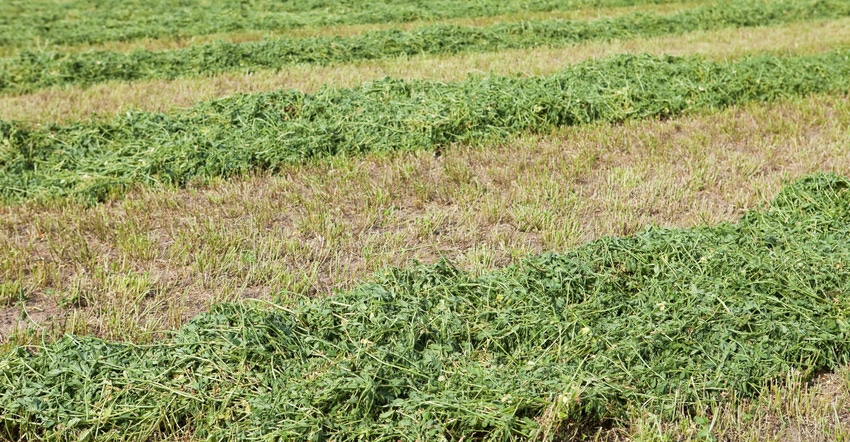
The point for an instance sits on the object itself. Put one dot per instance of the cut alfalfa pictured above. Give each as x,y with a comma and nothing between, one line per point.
243,133
661,321
30,71
31,24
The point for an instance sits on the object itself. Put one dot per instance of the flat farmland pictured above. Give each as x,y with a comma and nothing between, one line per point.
614,220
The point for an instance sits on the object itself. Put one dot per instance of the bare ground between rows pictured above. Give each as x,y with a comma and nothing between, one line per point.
150,261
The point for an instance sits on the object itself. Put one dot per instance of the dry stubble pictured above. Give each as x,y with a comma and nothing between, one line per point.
151,260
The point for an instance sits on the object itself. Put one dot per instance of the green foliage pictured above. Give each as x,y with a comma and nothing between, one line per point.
11,292
33,70
661,321
94,161
24,23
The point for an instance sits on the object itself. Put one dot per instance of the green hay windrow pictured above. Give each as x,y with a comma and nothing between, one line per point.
34,70
663,321
25,23
95,160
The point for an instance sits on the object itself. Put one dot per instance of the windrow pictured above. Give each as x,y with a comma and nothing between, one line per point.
24,23
664,321
29,71
96,160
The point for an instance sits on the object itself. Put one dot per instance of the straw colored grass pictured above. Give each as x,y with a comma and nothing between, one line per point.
127,269
670,322
149,261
